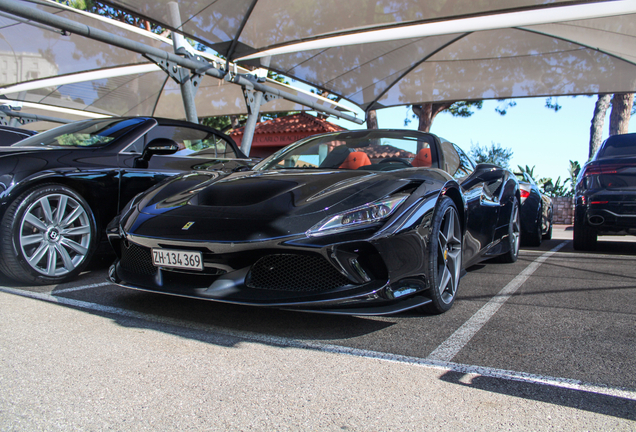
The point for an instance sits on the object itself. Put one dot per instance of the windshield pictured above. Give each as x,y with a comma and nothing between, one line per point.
91,133
363,150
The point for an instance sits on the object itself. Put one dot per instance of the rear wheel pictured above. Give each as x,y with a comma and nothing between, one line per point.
535,236
548,233
445,257
513,236
584,236
48,235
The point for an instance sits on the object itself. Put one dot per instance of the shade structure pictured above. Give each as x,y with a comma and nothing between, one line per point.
381,53
52,68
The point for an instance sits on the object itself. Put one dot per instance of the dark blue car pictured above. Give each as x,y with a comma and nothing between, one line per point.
606,193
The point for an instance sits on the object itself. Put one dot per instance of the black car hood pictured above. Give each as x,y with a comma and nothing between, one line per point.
244,206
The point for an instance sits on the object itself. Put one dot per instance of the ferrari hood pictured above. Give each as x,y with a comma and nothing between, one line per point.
270,203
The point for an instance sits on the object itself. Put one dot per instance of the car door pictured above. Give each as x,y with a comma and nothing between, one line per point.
481,199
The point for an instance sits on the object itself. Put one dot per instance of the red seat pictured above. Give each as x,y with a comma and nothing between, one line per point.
423,158
356,160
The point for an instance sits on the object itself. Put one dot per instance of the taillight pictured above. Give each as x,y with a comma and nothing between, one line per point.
605,169
524,193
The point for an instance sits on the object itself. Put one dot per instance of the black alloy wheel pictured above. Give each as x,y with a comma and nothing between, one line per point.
48,235
445,257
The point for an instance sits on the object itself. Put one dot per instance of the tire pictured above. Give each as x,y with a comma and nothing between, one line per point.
48,235
534,238
548,234
513,236
445,257
584,236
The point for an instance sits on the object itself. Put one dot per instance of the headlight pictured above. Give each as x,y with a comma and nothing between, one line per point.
358,217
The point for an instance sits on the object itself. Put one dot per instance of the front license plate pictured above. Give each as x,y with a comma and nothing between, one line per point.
190,260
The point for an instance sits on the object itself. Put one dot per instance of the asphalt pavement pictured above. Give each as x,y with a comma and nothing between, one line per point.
546,343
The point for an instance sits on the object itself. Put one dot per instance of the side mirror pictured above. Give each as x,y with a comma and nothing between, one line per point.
488,172
158,146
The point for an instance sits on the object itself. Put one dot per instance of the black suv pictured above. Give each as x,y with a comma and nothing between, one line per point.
606,193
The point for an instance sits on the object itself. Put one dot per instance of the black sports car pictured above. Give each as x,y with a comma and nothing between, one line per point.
536,212
59,189
605,202
356,222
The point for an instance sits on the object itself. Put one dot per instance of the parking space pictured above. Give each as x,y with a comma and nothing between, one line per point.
556,316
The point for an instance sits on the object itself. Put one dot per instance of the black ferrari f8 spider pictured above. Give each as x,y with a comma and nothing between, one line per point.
357,222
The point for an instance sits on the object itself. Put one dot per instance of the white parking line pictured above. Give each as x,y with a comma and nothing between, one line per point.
469,370
458,340
80,288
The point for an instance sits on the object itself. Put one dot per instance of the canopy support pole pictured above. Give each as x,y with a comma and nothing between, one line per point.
196,64
254,99
187,88
15,119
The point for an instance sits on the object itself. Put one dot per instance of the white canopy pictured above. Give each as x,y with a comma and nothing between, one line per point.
380,53
45,67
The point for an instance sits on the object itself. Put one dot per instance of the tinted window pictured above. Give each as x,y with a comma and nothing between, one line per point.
191,141
619,145
9,137
93,133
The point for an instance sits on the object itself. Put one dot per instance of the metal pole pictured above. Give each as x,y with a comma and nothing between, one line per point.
16,116
254,107
250,124
187,90
19,9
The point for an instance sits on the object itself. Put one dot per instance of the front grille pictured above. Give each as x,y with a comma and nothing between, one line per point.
137,259
300,273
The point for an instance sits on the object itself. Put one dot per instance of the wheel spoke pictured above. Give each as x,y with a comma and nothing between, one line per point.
76,231
50,268
71,218
446,277
449,232
32,239
61,209
37,256
453,263
74,246
66,258
34,221
443,241
46,209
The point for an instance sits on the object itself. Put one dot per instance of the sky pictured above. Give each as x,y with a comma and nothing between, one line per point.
536,135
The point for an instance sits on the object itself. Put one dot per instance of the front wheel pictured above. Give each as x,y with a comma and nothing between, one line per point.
48,235
445,257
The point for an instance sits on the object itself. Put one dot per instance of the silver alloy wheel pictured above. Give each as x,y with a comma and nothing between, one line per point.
515,230
55,234
449,255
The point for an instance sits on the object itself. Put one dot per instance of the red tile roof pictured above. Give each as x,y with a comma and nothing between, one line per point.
294,123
